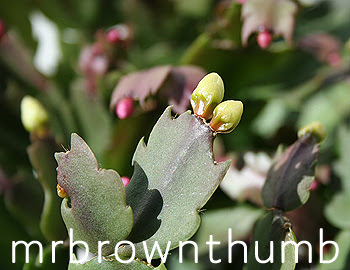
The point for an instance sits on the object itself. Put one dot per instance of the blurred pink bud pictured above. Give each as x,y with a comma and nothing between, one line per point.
2,29
264,39
126,180
99,65
334,59
97,49
85,59
92,61
313,186
125,108
113,36
240,1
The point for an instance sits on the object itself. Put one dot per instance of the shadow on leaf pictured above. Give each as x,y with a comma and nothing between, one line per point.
146,205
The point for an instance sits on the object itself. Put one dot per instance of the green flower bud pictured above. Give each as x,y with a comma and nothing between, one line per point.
227,115
33,114
207,95
316,129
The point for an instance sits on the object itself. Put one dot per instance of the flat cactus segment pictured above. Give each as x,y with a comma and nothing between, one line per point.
178,162
96,210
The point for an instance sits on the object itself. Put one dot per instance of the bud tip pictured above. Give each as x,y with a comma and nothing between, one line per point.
316,129
113,36
61,192
264,39
227,116
208,93
126,180
125,108
33,114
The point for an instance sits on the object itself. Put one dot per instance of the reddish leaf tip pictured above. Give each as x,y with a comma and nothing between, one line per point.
314,185
264,39
126,180
2,29
125,108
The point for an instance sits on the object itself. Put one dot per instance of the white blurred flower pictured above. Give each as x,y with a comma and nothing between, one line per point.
48,53
246,184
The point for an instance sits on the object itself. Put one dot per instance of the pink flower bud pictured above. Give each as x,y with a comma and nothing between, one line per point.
313,186
334,59
2,29
125,108
97,49
126,180
264,39
113,36
240,1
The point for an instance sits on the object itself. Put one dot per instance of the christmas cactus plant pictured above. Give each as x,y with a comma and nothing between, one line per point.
175,174
116,149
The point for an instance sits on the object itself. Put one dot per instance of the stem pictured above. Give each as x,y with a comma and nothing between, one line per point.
195,50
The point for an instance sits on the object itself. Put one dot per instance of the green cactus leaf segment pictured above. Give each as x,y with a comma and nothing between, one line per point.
96,210
178,162
41,153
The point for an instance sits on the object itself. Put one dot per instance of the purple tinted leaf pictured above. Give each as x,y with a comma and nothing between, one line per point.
185,80
140,85
274,15
322,45
174,84
288,180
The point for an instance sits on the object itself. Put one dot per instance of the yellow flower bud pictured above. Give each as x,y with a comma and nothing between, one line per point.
226,116
316,129
61,192
207,95
33,114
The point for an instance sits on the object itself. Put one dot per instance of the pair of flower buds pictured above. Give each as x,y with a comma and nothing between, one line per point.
206,103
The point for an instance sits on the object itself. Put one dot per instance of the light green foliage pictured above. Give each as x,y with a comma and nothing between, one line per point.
240,219
342,262
337,211
329,106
